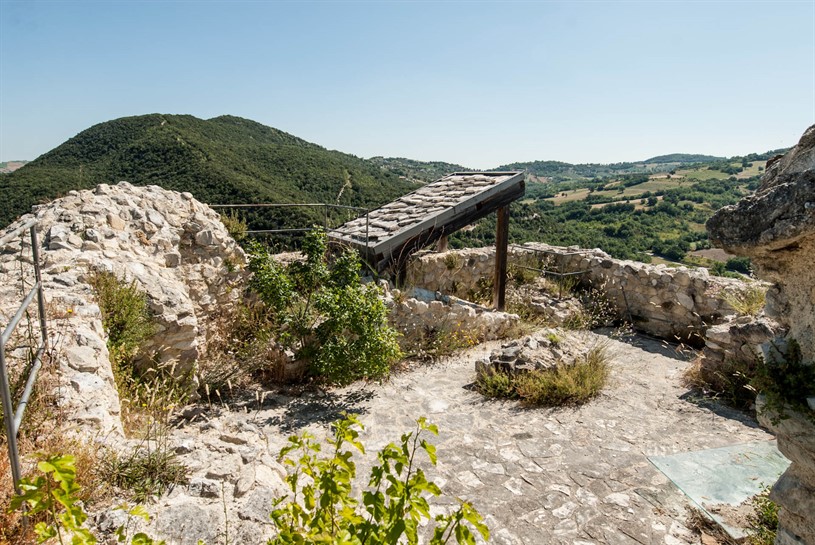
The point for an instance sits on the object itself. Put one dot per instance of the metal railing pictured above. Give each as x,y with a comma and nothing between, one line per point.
11,417
326,207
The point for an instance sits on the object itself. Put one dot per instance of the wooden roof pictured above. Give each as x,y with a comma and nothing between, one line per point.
391,233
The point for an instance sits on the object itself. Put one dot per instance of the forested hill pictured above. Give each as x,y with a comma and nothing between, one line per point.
557,171
221,160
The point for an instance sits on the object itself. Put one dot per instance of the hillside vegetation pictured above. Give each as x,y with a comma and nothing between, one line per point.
221,160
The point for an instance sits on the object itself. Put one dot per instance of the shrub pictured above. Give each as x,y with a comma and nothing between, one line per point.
324,312
323,508
235,225
496,384
749,301
565,384
572,384
125,315
763,520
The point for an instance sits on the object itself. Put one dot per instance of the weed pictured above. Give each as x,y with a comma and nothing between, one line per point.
749,301
150,470
125,314
452,261
728,381
554,338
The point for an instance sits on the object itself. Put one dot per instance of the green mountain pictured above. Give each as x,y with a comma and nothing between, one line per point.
221,160
683,158
419,171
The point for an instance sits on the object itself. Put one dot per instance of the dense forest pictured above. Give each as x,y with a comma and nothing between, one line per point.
221,160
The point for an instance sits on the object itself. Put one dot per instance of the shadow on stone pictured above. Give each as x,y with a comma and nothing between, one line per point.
320,408
710,404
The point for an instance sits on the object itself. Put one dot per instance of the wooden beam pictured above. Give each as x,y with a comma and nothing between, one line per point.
499,284
441,244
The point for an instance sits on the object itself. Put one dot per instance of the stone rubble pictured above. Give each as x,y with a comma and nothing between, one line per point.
545,349
448,315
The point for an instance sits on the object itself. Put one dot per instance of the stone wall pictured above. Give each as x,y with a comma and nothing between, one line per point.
775,228
173,247
672,303
420,310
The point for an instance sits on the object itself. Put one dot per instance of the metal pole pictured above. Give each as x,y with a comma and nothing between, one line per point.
35,250
325,217
8,419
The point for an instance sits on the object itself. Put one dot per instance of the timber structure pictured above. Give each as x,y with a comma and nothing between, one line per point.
387,236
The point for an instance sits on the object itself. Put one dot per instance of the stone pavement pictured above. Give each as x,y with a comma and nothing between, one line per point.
540,476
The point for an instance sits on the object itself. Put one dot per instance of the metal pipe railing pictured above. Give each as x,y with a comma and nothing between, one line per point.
13,418
325,207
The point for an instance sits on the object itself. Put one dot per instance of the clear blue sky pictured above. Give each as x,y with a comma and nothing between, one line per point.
475,83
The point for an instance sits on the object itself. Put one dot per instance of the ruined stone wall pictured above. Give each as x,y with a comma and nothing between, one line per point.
173,247
445,315
672,303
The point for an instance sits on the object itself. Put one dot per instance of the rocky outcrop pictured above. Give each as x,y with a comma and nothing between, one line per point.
775,228
173,247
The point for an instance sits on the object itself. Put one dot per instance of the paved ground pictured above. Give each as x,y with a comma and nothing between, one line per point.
541,476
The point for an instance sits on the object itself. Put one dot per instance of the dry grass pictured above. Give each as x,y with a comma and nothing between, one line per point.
749,301
562,385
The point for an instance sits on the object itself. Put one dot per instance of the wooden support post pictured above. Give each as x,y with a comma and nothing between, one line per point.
499,284
441,245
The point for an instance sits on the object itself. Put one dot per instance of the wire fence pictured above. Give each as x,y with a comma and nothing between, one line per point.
330,216
13,417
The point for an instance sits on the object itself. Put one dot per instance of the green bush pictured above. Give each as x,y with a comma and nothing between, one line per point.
322,507
324,312
763,520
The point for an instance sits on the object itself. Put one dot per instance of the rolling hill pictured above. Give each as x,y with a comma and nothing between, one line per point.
226,159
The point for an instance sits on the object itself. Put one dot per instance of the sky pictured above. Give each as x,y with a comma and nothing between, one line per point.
480,84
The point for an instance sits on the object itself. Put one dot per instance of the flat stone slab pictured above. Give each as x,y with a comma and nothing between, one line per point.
724,476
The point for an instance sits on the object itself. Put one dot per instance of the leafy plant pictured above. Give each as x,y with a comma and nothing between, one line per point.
54,496
763,520
323,509
324,312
